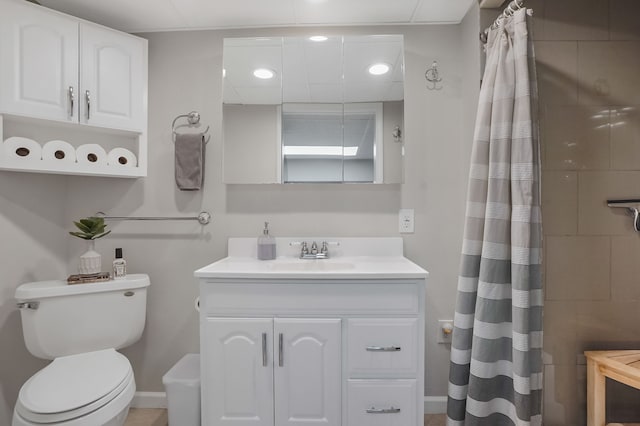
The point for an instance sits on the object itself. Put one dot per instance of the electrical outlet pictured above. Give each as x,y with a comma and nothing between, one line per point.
405,221
445,331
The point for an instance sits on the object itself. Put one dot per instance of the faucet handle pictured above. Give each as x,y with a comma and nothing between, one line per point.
326,244
303,246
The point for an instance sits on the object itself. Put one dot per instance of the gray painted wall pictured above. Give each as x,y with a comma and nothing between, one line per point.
184,75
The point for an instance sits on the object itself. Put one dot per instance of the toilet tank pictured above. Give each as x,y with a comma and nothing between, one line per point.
59,319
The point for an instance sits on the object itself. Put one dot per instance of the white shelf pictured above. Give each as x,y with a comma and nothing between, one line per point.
70,129
70,169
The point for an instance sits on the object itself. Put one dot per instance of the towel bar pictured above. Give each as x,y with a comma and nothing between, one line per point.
203,218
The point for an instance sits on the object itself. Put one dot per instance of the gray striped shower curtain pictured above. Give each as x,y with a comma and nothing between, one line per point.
495,375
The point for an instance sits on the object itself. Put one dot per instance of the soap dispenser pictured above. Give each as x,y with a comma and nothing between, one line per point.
266,245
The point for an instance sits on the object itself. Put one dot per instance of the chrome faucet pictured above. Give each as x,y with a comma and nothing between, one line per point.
313,252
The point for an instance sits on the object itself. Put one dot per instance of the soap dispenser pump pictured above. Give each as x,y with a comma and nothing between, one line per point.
266,245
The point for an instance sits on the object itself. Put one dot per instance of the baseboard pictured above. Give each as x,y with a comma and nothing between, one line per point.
149,400
432,404
435,404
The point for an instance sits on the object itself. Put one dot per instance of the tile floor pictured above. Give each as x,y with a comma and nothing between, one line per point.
158,417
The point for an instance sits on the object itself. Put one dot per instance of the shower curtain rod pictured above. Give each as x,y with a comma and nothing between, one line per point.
508,11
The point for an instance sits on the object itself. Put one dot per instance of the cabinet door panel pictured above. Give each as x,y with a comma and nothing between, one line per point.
114,73
238,386
307,371
38,62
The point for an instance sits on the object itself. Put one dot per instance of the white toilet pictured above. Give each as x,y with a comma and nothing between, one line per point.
80,327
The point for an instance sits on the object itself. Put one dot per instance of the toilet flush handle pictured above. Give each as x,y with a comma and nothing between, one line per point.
28,305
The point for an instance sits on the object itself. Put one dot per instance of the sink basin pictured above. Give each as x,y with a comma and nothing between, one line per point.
311,265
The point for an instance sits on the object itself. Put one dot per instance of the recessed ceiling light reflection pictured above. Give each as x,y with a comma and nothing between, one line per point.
318,38
347,151
263,73
379,69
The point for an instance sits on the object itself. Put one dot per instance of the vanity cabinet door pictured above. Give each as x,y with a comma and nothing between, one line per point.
238,372
113,78
307,364
38,62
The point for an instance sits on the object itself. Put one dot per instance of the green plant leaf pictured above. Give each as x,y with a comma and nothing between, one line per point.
102,235
82,227
91,227
80,235
88,222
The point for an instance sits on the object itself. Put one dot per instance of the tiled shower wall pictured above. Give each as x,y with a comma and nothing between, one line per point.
588,57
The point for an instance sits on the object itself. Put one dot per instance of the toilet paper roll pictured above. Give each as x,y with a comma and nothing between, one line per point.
122,157
22,149
91,153
58,152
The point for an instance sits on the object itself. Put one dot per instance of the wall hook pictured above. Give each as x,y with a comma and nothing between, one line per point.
632,206
397,134
433,76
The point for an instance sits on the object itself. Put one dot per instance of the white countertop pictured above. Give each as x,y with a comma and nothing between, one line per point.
353,258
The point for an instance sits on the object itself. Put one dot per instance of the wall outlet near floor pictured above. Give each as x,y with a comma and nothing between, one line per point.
445,331
405,221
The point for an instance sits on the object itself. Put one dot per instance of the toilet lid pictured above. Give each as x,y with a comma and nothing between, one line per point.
74,381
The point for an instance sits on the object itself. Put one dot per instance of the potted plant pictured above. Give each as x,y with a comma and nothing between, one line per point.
91,228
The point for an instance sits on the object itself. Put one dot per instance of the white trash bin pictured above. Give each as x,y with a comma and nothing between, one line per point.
182,383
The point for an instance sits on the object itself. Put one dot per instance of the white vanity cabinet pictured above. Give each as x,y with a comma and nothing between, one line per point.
336,342
298,352
57,67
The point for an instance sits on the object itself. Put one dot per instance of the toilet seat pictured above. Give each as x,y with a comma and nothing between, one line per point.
74,386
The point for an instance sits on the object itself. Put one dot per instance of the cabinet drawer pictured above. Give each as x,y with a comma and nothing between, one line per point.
382,347
381,403
353,297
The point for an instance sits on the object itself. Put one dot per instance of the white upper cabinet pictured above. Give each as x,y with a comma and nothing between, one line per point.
38,62
112,78
57,67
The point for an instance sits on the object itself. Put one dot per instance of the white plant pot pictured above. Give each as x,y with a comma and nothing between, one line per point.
91,261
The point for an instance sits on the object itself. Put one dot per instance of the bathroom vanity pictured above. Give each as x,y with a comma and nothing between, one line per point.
335,341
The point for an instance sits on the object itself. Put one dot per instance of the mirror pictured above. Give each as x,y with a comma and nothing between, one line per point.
313,109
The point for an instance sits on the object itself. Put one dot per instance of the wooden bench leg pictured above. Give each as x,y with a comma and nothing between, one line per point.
596,395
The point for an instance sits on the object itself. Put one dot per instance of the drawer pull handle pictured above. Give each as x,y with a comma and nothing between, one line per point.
264,349
384,348
374,410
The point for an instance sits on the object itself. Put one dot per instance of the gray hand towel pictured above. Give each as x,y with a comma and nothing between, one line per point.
190,161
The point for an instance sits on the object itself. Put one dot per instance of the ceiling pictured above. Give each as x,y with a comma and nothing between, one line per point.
163,15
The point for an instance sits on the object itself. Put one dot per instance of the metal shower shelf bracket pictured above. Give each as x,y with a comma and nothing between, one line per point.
632,206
